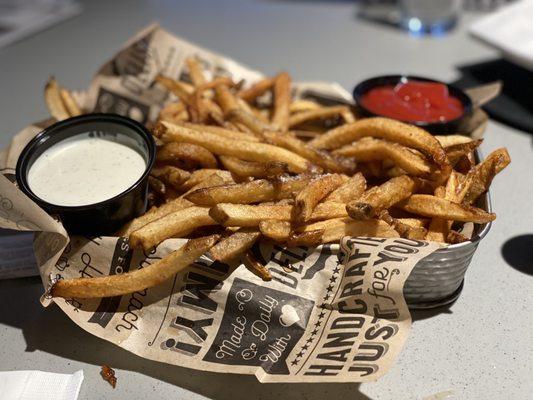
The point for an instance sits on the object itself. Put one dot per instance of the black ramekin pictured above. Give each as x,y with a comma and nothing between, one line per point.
438,128
107,216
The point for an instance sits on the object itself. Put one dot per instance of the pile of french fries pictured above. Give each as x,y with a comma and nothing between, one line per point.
236,165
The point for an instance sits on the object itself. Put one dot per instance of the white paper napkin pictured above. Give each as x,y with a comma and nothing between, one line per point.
510,30
39,385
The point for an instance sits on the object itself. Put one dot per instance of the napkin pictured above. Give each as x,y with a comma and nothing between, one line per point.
510,30
39,385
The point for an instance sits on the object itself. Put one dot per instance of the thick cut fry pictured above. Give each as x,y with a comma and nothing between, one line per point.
211,180
195,71
483,173
53,100
180,89
234,245
140,279
257,89
176,224
261,152
250,121
282,100
328,210
405,230
315,191
225,99
186,155
384,128
435,207
439,228
245,169
248,215
306,239
70,104
154,214
370,149
276,230
350,190
318,157
450,140
320,113
256,267
170,175
225,133
382,197
336,229
249,192
456,151
202,175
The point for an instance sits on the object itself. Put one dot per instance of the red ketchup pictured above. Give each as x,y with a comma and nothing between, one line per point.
414,101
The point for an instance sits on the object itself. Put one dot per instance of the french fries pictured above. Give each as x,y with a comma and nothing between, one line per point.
140,279
382,197
258,166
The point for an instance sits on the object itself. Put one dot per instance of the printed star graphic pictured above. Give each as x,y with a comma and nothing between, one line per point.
330,288
333,279
336,270
300,354
315,331
326,297
339,262
310,340
294,362
323,306
305,347
318,323
321,315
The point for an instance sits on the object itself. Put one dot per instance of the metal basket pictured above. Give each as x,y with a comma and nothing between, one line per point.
438,279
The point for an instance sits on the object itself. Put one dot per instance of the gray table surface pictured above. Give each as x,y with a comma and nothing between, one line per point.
479,348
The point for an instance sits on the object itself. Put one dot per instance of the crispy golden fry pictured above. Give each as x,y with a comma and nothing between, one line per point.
250,151
211,180
186,156
276,230
455,237
245,169
382,197
248,215
439,228
315,191
170,175
156,185
435,207
456,151
225,133
254,266
176,224
450,140
234,245
196,72
483,173
154,214
384,128
250,121
298,106
405,230
370,149
54,102
180,89
306,239
318,114
201,175
318,157
248,192
257,89
174,112
140,279
328,210
336,229
350,190
70,104
205,106
282,100
225,99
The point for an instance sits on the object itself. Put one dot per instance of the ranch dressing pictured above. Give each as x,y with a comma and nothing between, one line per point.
84,170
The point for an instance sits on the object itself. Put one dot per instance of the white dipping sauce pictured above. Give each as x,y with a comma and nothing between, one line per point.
84,170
